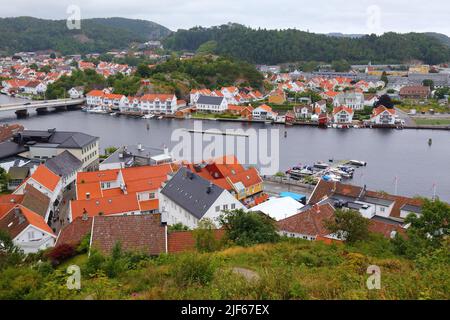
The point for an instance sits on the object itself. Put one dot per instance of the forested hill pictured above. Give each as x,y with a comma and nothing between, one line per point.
277,46
96,35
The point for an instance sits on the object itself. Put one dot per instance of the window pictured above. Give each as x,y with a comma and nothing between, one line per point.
382,209
31,235
233,206
217,208
225,207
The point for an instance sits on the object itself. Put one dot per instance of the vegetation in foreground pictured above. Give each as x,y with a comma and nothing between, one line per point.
252,262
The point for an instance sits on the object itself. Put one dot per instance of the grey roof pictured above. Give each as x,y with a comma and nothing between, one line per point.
129,152
9,149
386,220
411,208
210,100
190,192
18,173
64,164
62,139
378,201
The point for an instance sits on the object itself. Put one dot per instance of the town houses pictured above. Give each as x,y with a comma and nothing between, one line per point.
343,115
146,104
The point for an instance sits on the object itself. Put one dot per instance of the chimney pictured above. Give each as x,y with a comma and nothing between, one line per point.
88,195
209,189
85,216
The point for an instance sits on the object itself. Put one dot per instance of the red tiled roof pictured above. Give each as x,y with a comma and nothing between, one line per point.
310,222
342,108
149,205
74,232
46,177
106,206
134,233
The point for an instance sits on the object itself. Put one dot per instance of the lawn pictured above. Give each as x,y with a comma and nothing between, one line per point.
433,122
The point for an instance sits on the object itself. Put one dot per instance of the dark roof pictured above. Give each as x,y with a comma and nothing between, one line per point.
9,149
64,164
143,233
411,208
35,200
190,191
18,173
210,100
63,139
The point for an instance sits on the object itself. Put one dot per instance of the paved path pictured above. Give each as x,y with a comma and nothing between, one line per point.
404,116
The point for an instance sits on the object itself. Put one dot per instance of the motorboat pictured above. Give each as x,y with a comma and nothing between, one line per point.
357,163
321,165
148,116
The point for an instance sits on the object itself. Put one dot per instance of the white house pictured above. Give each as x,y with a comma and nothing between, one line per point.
264,112
188,198
46,182
343,114
76,92
159,103
383,115
27,229
35,88
354,100
211,104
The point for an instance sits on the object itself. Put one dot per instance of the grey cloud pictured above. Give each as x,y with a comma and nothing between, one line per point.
316,16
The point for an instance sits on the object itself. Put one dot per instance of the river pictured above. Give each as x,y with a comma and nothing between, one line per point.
404,154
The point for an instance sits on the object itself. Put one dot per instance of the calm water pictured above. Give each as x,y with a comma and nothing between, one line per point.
389,153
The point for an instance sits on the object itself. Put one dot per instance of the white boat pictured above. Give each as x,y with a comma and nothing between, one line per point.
96,110
113,114
357,163
160,117
148,116
321,165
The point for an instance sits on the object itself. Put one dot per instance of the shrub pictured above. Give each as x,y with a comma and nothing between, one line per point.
60,253
194,268
249,228
204,235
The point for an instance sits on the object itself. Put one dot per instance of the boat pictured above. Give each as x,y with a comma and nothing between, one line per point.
321,165
160,117
113,114
357,163
148,116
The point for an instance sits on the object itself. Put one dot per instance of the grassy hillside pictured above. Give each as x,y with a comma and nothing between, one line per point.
96,35
291,45
292,269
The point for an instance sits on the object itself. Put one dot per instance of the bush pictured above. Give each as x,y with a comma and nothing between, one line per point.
60,253
249,228
194,268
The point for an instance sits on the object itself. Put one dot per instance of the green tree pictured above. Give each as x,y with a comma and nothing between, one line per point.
340,65
143,71
348,225
428,83
178,227
248,228
204,235
207,48
432,224
4,179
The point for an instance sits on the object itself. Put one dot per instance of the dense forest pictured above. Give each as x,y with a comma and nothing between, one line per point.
278,46
96,35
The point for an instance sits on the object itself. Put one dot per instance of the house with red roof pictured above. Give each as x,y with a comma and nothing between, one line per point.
27,229
343,114
383,116
264,112
122,191
47,183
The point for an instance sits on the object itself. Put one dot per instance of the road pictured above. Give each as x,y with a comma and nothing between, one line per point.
41,104
409,122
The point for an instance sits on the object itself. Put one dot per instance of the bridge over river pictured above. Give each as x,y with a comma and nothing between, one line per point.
21,108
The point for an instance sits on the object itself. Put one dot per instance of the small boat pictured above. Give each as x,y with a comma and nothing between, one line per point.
321,165
430,142
148,116
357,163
113,114
160,117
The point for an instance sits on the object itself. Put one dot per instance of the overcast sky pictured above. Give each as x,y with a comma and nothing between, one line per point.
321,16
